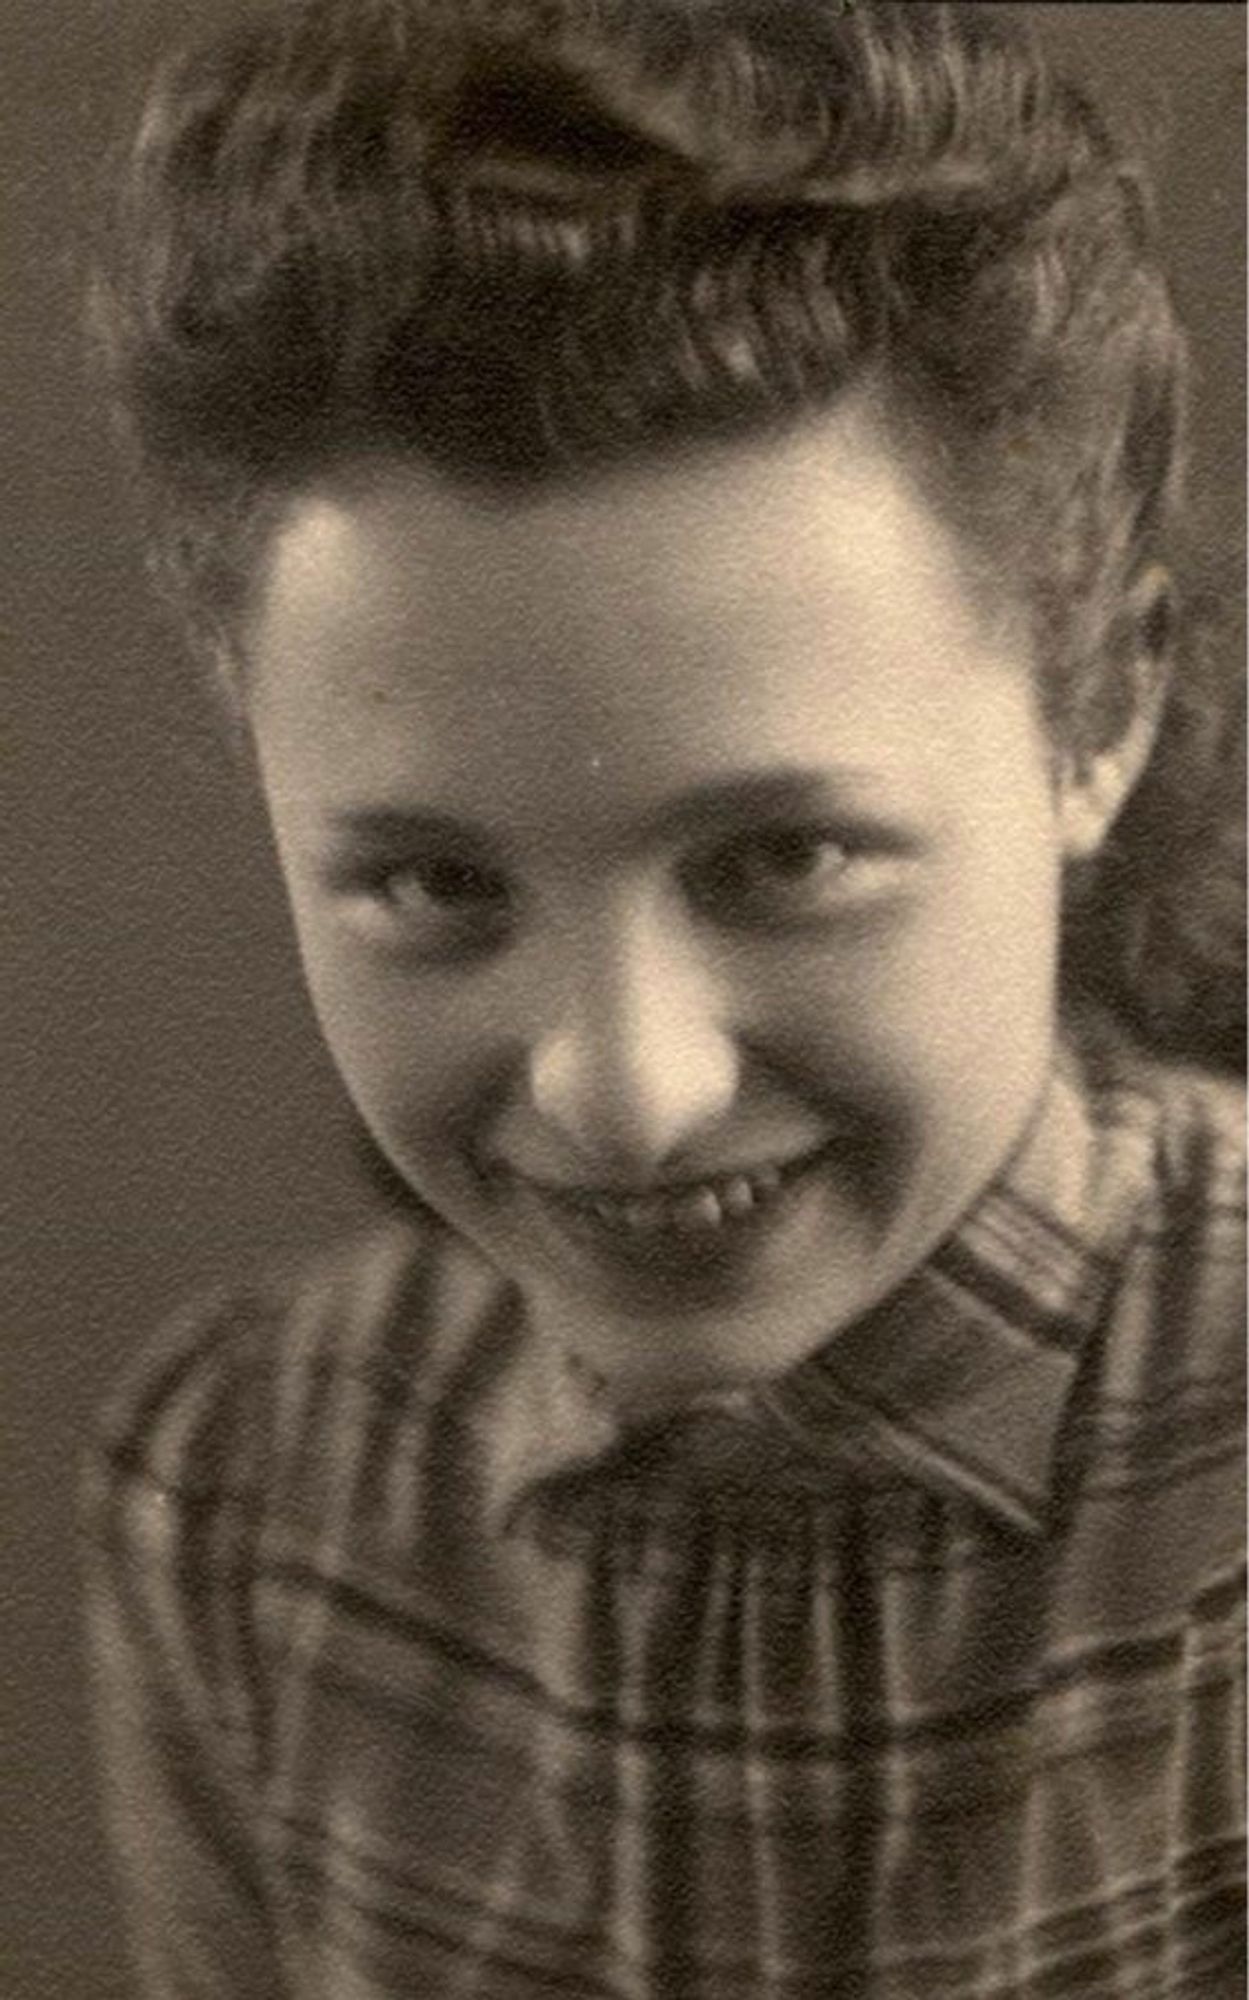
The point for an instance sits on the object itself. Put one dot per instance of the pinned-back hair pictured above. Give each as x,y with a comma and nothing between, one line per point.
527,238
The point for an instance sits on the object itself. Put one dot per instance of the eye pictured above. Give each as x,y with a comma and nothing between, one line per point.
782,858
441,905
791,874
443,881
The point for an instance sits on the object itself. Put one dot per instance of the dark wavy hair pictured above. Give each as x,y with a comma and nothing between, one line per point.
527,238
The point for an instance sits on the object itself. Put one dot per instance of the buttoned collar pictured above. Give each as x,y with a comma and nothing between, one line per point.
959,1380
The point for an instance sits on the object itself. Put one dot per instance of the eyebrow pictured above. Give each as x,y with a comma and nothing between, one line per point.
741,794
789,788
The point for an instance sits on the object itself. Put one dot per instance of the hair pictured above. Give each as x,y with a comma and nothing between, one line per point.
525,239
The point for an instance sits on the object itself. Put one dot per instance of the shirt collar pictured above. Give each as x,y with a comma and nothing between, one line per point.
959,1379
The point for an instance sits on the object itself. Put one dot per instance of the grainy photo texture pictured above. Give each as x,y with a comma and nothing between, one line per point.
683,510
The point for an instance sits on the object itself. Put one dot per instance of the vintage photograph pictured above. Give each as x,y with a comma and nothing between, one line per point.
627,1365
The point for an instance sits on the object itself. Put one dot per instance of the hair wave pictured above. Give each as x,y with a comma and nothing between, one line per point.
525,238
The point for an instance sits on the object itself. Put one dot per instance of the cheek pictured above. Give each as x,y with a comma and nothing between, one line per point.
978,943
368,1019
415,1058
941,1020
993,919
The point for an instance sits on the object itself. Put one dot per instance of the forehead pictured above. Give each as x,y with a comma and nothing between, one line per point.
745,527
673,614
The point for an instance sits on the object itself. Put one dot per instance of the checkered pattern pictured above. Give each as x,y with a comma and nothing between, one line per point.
913,1676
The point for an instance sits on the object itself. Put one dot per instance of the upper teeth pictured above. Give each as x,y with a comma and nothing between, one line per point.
691,1208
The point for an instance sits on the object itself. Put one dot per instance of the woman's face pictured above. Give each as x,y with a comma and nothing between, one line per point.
675,862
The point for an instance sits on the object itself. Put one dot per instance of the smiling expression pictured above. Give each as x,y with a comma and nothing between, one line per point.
675,861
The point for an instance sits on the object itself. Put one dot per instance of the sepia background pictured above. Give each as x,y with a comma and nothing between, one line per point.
174,1118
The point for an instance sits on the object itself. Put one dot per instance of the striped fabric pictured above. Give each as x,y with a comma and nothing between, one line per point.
913,1676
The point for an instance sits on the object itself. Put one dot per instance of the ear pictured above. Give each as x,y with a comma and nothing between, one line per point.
1094,786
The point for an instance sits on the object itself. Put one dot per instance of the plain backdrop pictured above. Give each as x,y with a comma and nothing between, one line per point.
173,1116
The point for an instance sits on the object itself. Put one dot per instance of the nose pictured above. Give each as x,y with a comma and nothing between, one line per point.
639,1060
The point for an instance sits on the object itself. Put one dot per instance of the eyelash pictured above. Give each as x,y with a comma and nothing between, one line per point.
721,879
459,872
469,911
473,904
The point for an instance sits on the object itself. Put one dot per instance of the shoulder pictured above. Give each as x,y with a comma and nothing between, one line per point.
219,1404
1201,1143
250,1440
1161,1403
1186,1127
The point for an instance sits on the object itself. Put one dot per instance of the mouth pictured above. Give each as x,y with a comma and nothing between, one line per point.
708,1211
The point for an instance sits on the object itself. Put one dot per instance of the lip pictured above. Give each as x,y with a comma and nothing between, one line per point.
677,1244
766,1175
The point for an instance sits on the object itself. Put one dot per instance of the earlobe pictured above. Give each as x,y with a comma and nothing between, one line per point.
1096,785
1093,793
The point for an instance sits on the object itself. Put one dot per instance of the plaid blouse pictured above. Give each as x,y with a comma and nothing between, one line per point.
912,1674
